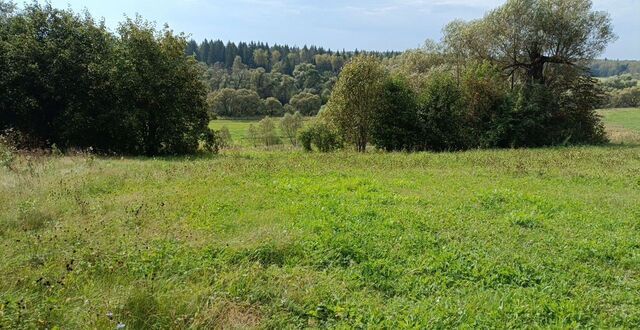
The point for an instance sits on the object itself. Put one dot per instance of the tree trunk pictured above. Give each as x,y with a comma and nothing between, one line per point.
535,72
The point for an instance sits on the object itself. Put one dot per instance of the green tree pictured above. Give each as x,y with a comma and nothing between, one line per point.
161,88
273,107
306,103
356,98
396,125
235,103
442,113
525,36
261,58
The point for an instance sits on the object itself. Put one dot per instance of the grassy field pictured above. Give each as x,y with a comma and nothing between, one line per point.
271,239
623,125
239,127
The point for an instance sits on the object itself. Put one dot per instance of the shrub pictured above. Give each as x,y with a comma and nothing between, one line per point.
252,135
290,124
320,135
7,152
625,98
267,132
223,136
487,103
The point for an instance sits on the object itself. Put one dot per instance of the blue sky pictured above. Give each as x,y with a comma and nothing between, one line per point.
371,24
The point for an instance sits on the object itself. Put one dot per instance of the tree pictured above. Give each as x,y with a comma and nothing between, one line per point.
235,103
161,88
74,84
261,58
442,112
356,98
526,36
306,103
273,107
307,77
396,125
290,124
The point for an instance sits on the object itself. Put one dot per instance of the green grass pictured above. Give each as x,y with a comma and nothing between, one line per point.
238,128
259,239
253,238
625,118
623,125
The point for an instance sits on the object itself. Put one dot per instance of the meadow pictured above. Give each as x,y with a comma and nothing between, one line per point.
255,238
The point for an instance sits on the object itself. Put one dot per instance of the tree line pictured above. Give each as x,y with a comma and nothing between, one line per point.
255,79
609,68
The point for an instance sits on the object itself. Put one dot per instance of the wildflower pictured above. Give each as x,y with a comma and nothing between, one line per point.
120,326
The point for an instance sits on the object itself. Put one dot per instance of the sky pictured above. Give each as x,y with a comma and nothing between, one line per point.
362,24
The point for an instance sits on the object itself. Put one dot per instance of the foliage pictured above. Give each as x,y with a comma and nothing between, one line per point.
290,125
235,103
273,107
523,37
253,135
223,137
76,85
267,132
306,103
396,125
625,98
356,98
442,112
320,135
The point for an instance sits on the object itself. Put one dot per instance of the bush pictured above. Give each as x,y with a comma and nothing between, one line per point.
223,138
7,152
252,135
290,124
267,132
320,135
488,105
625,98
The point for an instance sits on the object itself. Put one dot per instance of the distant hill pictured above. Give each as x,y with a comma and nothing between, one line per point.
609,68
